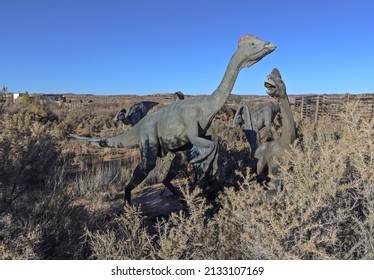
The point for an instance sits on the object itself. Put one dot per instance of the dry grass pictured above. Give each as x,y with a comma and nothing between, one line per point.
58,197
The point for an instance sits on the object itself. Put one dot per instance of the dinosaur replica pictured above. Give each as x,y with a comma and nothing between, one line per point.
139,110
135,114
226,113
254,121
270,153
181,127
178,95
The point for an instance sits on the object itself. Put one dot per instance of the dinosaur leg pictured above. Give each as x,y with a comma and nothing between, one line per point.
202,147
267,132
149,151
261,163
209,167
275,183
179,162
252,138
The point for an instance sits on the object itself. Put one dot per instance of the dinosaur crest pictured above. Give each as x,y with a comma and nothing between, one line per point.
245,38
274,84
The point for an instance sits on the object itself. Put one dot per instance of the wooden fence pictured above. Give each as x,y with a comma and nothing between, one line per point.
333,105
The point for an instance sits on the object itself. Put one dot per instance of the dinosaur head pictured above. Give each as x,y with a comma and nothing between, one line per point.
178,95
275,87
120,115
238,118
253,49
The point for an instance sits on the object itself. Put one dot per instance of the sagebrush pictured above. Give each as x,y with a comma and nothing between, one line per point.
58,198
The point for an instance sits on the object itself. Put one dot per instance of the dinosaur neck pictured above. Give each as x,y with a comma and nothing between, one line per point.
288,124
218,98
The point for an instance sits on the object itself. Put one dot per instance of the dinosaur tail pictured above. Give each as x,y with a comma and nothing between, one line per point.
93,141
127,139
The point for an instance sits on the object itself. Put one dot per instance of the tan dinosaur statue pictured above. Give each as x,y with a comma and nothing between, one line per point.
181,127
270,153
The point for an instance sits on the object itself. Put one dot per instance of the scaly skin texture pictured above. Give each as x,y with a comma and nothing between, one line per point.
270,153
181,127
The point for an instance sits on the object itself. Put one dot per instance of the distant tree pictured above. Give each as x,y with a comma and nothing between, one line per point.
26,97
4,90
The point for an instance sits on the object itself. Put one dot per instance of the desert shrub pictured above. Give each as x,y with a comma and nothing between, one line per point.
98,178
326,209
324,212
36,220
61,224
26,97
49,208
128,239
28,158
52,229
193,235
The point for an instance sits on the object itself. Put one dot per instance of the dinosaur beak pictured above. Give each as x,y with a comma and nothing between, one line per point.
270,86
271,47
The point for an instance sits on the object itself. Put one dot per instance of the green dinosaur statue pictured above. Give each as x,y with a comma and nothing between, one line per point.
181,127
255,121
270,153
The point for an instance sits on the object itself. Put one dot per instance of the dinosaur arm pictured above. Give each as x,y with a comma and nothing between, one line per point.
268,116
238,119
249,119
202,147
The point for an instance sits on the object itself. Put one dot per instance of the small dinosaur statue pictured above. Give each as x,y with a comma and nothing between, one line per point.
139,110
226,113
254,121
135,114
178,95
270,153
181,127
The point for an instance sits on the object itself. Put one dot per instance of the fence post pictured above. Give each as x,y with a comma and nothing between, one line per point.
372,106
317,109
302,107
347,104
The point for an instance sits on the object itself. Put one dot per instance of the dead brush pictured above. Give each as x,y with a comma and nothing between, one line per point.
100,178
128,239
184,236
324,211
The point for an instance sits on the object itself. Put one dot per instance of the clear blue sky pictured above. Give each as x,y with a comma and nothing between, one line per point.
156,46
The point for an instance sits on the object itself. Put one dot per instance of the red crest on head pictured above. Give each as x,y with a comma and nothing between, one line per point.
245,38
